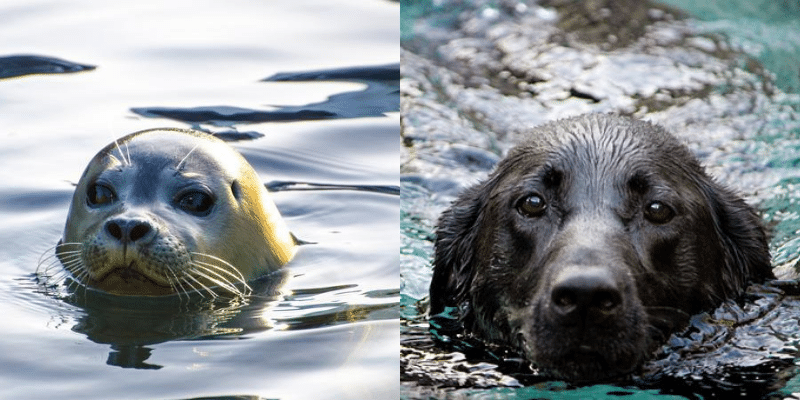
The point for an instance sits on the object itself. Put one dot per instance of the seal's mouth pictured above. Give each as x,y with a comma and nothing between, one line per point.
129,272
130,280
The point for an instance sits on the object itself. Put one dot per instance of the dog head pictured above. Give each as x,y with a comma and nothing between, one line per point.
589,243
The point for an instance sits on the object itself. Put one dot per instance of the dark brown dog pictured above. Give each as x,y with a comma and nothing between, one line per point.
589,244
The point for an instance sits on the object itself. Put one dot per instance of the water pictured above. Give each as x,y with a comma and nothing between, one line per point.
766,30
477,74
329,329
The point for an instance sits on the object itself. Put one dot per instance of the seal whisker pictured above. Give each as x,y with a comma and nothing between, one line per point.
115,159
60,248
180,280
229,269
48,263
60,275
53,280
45,268
207,289
178,283
74,284
222,272
192,288
183,160
67,259
72,267
63,253
222,282
173,287
78,276
47,273
76,267
54,251
73,258
185,277
126,161
220,279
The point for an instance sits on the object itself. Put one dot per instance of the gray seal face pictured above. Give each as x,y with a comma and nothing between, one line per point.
169,211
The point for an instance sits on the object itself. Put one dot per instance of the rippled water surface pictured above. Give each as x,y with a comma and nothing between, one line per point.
720,75
311,89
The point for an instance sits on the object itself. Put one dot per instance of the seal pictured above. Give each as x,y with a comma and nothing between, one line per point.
171,211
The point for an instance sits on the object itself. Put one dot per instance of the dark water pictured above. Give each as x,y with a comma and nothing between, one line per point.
720,75
76,75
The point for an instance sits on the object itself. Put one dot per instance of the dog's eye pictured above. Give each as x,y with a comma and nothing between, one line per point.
532,206
98,195
658,212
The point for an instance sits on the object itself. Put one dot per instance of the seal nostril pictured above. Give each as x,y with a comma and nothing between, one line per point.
114,230
139,231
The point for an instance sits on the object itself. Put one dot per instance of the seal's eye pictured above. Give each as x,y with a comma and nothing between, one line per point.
658,212
99,194
195,202
532,206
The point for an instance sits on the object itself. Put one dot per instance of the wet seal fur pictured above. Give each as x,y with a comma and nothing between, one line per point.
591,242
172,211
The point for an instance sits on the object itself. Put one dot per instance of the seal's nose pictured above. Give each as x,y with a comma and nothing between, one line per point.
127,230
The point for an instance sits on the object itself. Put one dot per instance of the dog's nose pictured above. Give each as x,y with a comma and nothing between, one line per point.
586,295
129,230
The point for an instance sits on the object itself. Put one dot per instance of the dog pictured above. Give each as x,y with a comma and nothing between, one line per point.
589,243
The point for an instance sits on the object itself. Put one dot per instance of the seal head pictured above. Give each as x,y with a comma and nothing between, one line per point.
167,211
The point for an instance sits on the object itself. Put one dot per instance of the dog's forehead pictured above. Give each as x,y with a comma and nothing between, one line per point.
607,140
602,154
610,150
603,139
573,152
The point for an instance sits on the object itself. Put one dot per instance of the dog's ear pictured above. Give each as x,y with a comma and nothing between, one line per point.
456,240
743,238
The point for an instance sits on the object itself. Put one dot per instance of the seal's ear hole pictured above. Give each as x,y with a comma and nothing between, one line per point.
236,190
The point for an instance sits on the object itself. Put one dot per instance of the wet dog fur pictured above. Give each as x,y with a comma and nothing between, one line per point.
589,243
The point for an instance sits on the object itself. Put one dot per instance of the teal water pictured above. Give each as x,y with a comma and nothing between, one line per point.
767,30
762,161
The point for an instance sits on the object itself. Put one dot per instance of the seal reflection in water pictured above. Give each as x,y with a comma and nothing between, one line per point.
168,211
